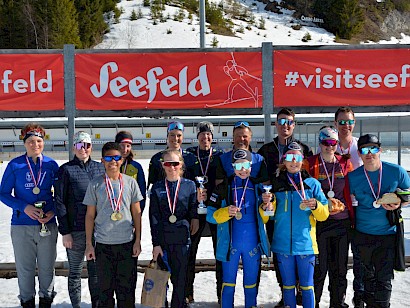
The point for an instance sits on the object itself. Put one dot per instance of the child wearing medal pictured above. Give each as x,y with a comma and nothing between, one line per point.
238,210
300,202
173,219
113,211
332,235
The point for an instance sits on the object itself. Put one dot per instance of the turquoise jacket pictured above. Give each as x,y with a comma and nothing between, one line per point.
295,229
218,214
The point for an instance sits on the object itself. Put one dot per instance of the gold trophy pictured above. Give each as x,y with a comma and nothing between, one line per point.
44,230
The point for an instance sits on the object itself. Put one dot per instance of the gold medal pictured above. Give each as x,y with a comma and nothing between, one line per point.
172,219
36,190
114,216
118,215
238,215
302,206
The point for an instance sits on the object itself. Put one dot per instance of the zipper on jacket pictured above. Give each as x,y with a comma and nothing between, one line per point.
291,222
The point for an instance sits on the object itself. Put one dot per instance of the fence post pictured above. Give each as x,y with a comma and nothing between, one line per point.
69,93
267,87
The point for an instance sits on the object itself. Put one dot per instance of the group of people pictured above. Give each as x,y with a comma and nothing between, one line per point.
304,210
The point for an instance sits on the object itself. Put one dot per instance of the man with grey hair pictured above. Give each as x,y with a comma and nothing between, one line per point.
205,166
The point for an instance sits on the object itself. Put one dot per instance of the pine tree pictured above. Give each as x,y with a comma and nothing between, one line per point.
13,32
64,24
90,22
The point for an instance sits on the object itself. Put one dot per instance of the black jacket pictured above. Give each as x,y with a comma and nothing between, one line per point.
70,187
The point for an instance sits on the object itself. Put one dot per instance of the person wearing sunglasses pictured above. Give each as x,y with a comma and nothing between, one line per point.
375,234
272,153
205,166
237,208
29,178
175,137
332,234
300,203
114,218
173,219
72,181
345,122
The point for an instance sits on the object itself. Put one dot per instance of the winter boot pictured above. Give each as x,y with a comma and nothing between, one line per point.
29,304
45,302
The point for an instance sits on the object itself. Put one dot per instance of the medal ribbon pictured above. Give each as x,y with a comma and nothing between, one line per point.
35,181
331,183
174,204
243,195
379,182
115,202
303,195
124,170
207,164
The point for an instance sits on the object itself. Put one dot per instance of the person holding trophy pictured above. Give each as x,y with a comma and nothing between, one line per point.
26,187
203,172
237,208
300,202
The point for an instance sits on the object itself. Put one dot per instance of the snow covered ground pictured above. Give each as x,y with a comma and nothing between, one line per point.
205,294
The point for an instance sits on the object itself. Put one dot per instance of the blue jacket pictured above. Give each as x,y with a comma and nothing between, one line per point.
295,229
70,187
17,185
218,214
134,169
162,231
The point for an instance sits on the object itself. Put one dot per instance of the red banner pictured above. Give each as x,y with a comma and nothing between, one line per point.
341,77
186,80
31,82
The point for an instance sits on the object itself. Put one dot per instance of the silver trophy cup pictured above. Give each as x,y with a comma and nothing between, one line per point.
201,181
267,189
44,230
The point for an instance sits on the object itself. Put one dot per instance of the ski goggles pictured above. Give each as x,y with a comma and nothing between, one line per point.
82,145
285,121
329,142
367,150
171,163
290,157
344,122
244,165
110,158
175,125
241,124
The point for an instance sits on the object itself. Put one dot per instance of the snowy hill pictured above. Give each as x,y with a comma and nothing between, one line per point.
142,33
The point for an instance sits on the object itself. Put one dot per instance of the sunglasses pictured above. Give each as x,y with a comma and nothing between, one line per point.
175,125
367,150
329,142
82,145
171,163
285,121
348,122
110,158
290,157
241,124
245,165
